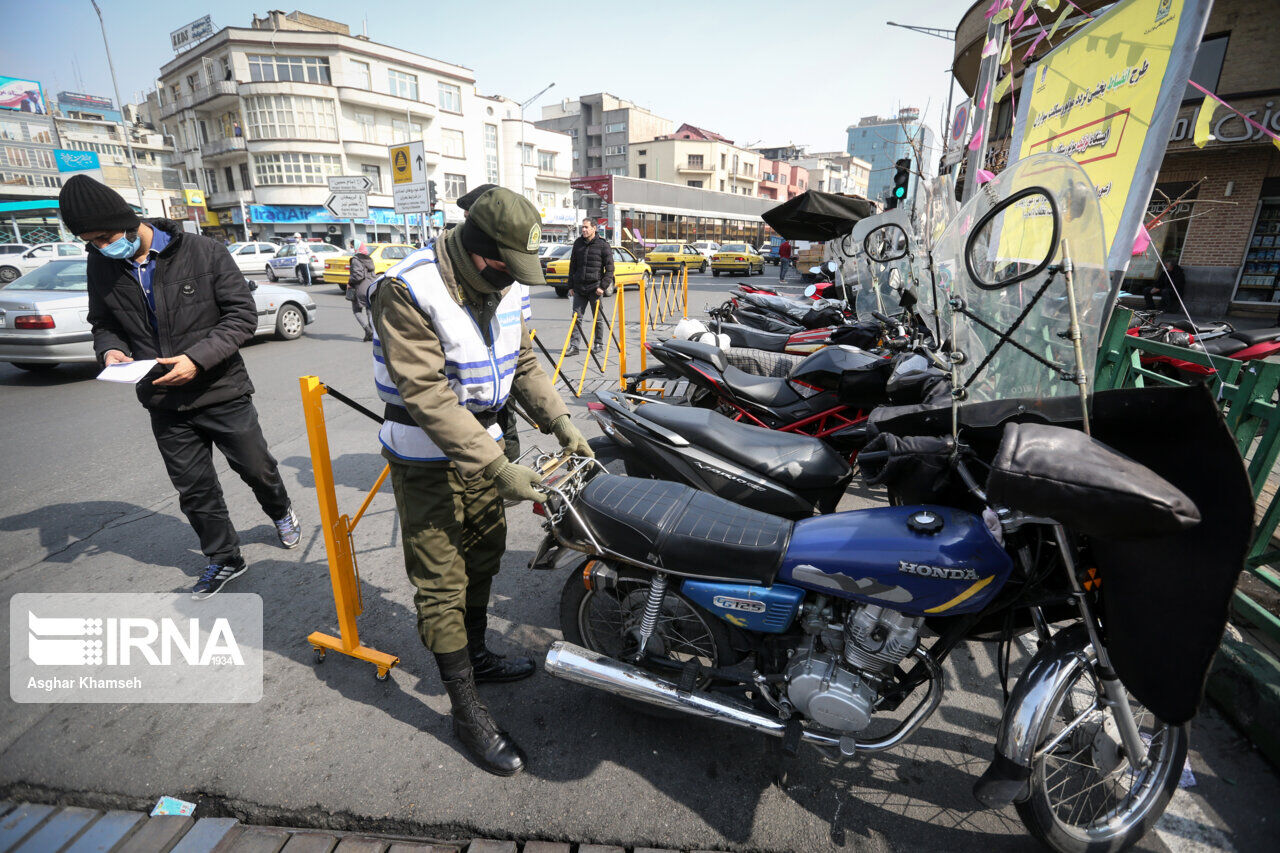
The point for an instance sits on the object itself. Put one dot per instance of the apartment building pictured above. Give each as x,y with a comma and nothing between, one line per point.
602,127
881,142
694,157
782,180
263,115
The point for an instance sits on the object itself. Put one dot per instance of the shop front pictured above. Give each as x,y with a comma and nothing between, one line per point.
279,221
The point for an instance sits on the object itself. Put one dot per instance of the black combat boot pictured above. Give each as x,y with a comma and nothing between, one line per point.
489,667
491,747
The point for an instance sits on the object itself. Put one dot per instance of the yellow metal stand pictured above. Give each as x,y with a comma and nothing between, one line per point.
344,574
684,294
620,314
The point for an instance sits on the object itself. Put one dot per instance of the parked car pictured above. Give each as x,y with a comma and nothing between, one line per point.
706,247
252,257
384,256
13,248
675,256
627,272
285,262
13,266
44,315
737,258
549,252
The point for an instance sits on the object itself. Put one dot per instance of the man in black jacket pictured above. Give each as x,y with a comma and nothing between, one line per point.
590,277
158,293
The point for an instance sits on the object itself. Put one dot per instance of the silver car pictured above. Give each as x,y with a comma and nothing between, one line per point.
44,316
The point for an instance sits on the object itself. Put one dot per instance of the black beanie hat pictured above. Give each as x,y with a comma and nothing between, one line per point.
87,205
475,239
469,199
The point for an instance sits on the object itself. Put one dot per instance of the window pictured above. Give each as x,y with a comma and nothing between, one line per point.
491,153
642,152
546,199
611,150
695,184
526,153
193,80
619,127
366,127
290,117
528,193
577,154
244,177
451,143
374,174
276,169
360,74
617,170
450,97
227,173
404,131
547,162
288,69
695,161
455,186
210,181
722,161
402,84
643,171
395,253
1207,67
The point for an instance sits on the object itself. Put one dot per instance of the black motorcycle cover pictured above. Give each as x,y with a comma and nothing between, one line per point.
1165,600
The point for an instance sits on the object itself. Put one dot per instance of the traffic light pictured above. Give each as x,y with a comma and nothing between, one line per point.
901,178
431,194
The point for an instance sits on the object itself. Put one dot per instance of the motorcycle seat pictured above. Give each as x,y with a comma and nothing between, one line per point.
1250,337
796,461
684,531
765,391
1222,346
749,338
713,355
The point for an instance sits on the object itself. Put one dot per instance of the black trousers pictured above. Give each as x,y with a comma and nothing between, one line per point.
585,307
186,439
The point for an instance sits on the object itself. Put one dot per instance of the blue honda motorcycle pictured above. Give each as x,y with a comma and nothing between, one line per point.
1013,515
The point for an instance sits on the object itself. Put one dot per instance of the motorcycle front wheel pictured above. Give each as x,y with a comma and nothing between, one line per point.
608,621
1085,795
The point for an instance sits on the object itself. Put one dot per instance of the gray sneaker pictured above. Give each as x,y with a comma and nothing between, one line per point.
216,576
289,529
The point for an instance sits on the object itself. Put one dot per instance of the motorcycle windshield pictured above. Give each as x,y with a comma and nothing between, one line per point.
1007,298
938,211
880,283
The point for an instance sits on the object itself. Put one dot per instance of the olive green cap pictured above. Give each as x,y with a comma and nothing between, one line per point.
515,225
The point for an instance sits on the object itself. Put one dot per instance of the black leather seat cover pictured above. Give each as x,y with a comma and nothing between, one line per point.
1063,474
1222,346
749,338
684,531
763,390
703,352
1256,336
797,461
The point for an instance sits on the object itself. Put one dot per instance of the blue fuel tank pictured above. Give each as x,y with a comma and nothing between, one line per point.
921,560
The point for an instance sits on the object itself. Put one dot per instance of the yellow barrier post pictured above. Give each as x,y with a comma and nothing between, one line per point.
684,295
608,343
565,349
620,312
644,321
586,361
343,574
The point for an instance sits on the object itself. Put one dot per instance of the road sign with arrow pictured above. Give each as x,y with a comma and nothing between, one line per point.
409,177
350,184
348,205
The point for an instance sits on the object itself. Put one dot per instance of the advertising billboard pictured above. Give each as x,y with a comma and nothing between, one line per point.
22,95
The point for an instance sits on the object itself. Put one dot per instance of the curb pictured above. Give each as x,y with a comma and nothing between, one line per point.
1245,684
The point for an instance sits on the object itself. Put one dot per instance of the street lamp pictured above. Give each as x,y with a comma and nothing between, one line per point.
522,148
133,161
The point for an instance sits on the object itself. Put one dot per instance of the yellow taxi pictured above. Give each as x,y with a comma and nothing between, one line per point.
627,272
737,258
676,256
384,256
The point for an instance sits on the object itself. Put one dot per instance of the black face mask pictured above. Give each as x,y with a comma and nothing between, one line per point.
497,278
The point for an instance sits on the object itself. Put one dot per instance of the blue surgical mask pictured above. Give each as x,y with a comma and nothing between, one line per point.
122,249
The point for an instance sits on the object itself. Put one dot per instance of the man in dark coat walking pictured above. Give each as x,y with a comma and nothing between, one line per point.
158,293
590,277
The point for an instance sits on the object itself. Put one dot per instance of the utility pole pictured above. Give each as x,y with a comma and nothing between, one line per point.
133,160
949,35
522,148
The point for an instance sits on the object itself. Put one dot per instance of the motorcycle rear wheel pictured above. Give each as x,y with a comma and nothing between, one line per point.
607,621
1085,796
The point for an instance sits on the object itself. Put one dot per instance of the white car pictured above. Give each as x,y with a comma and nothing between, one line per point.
44,316
289,258
706,248
12,266
252,257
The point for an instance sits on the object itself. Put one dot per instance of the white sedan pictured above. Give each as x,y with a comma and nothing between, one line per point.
13,266
252,257
44,316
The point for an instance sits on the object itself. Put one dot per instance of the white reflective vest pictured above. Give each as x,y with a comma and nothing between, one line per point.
480,375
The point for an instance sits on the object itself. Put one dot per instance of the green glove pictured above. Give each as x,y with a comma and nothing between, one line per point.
515,482
570,437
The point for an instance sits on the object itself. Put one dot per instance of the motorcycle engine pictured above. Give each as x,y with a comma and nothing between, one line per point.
837,690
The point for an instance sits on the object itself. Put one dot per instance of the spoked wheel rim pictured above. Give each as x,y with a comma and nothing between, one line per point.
1086,784
609,622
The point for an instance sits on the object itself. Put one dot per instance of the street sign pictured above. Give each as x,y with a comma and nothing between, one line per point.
194,198
409,177
348,205
350,184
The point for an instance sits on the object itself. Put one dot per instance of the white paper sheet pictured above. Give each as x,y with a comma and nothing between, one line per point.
129,373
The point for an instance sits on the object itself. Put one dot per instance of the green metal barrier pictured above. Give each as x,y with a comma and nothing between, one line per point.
1247,395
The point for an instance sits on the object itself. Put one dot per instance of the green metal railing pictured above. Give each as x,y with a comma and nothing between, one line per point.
1247,395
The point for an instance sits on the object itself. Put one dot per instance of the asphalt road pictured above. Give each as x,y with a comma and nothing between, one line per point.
87,508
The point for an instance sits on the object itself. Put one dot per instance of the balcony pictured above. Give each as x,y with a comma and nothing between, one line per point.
229,198
171,107
221,89
390,103
557,176
595,129
594,151
692,169
219,147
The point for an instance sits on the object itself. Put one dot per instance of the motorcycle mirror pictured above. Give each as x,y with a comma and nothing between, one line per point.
1013,241
811,290
886,243
815,270
831,267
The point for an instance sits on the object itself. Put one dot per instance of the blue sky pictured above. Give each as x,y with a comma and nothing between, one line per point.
772,71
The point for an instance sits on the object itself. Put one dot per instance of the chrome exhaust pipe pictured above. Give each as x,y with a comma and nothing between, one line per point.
592,669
